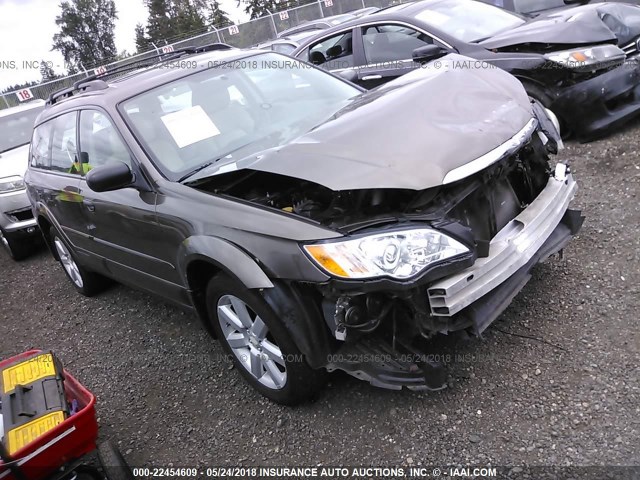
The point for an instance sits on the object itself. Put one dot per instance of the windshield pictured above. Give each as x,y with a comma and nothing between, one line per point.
226,113
16,128
468,21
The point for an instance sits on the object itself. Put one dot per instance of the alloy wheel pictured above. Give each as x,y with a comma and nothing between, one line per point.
250,340
68,263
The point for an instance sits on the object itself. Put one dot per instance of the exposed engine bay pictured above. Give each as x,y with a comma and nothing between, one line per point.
483,203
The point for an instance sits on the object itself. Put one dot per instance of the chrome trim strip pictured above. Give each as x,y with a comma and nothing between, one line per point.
511,249
489,158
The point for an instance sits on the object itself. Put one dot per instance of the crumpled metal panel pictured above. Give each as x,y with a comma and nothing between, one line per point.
408,133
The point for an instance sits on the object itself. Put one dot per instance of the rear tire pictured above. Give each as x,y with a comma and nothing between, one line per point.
85,282
17,251
259,344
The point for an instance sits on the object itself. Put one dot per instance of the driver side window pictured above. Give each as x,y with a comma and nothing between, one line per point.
333,53
390,43
100,142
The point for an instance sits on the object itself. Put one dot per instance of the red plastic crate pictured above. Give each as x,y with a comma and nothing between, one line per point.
70,440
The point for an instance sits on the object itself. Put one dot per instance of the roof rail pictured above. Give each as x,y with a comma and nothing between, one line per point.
97,82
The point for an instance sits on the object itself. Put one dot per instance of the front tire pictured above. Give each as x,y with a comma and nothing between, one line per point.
260,346
85,282
17,251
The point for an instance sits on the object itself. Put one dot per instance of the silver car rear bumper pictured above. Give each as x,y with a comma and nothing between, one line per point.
510,250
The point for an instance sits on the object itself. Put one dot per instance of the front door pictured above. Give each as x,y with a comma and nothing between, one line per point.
122,223
387,52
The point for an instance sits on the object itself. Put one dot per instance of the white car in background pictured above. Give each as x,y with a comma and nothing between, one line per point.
18,228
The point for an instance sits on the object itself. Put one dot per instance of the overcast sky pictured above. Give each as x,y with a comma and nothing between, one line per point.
27,28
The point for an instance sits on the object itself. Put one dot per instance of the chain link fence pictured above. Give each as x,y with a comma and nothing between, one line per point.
242,35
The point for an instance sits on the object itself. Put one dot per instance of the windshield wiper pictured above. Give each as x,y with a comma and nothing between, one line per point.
193,172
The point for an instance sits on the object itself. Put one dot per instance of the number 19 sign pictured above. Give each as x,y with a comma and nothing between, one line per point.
25,94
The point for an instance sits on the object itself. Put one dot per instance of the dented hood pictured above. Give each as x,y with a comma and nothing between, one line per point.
583,25
406,134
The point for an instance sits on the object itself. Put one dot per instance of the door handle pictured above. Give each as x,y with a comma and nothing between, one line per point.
89,204
371,77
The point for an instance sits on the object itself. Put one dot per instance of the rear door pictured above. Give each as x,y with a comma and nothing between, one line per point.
54,183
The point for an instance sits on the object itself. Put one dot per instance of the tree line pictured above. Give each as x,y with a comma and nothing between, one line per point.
86,38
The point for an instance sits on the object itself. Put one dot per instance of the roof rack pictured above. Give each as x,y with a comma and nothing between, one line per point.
96,82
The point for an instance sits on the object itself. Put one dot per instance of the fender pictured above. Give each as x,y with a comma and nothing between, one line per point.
300,313
225,255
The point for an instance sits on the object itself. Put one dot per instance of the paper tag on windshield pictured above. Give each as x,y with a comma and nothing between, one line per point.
189,126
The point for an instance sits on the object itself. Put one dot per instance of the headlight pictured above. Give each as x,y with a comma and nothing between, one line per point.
399,254
602,56
11,184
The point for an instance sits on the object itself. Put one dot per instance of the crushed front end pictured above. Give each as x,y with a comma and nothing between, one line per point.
509,216
408,264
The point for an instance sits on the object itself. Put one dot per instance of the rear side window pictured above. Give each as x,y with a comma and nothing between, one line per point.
64,151
41,146
100,142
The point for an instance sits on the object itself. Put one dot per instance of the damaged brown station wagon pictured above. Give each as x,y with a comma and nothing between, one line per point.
312,225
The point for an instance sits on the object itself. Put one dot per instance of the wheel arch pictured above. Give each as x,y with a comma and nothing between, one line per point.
202,258
45,227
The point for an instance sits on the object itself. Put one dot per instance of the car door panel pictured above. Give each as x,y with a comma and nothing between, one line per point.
121,224
387,52
52,156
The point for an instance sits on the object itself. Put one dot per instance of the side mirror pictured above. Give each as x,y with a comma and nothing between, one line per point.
110,177
349,74
428,53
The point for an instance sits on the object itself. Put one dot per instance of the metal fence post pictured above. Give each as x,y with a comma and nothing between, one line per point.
273,23
320,7
217,33
5,100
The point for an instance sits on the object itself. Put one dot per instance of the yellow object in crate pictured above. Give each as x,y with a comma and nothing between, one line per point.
29,371
33,399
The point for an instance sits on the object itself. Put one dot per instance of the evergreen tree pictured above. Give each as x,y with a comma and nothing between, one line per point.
187,17
159,25
259,8
216,17
142,42
86,34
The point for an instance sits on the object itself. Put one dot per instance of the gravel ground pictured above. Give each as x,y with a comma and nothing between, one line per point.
567,396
